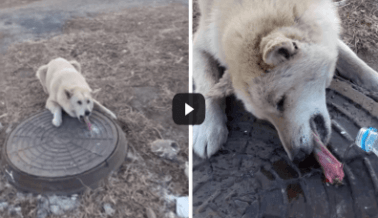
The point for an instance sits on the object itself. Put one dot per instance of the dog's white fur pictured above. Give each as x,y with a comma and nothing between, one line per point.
68,90
280,56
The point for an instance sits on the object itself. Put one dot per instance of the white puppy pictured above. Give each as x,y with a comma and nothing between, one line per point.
279,56
67,90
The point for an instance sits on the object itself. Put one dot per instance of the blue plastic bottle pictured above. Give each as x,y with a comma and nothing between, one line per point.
367,139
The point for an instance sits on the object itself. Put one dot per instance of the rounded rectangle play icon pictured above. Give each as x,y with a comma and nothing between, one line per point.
188,109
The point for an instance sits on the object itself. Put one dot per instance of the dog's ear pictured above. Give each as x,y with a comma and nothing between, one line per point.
222,89
76,65
68,93
277,48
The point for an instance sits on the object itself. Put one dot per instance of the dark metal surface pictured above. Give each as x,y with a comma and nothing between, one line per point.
40,157
253,177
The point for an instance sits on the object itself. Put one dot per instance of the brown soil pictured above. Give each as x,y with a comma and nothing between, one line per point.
360,29
13,3
139,59
360,24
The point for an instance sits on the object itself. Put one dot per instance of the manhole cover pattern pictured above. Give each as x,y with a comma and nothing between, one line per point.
41,149
253,177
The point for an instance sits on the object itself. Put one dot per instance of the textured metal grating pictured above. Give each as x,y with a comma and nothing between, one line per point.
40,157
41,149
253,177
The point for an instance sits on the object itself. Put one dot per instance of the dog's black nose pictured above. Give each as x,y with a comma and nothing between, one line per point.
300,156
87,113
317,124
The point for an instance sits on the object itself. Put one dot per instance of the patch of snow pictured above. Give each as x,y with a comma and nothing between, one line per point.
3,206
108,209
182,206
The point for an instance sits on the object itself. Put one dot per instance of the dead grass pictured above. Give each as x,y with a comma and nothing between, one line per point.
12,3
138,47
360,24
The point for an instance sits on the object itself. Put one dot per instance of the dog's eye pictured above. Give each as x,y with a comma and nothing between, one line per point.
79,102
281,103
88,101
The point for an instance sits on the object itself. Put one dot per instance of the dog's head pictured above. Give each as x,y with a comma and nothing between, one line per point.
80,102
290,93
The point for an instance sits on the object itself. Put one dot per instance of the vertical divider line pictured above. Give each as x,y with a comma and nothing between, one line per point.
190,153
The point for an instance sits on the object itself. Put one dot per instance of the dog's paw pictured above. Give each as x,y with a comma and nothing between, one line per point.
57,121
211,134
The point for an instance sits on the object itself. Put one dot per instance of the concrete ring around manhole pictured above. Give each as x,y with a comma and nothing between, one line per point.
41,158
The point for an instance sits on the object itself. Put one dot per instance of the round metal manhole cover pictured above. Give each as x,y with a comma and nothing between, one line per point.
64,159
252,176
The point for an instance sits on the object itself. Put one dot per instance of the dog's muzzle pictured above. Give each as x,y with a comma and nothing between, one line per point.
317,125
299,153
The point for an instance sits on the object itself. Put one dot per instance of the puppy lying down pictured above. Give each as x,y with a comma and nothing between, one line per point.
67,89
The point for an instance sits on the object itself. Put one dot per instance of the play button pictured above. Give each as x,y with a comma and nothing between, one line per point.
188,109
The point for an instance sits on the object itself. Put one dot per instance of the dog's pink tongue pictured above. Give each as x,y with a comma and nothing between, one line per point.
332,168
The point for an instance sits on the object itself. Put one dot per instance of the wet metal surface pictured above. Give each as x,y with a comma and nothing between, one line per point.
255,177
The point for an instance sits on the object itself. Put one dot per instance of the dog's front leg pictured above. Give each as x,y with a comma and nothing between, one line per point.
352,67
56,110
212,133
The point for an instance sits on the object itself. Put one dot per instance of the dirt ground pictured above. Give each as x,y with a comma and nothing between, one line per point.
12,3
360,29
139,59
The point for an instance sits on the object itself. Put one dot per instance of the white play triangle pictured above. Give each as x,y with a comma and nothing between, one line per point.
188,109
